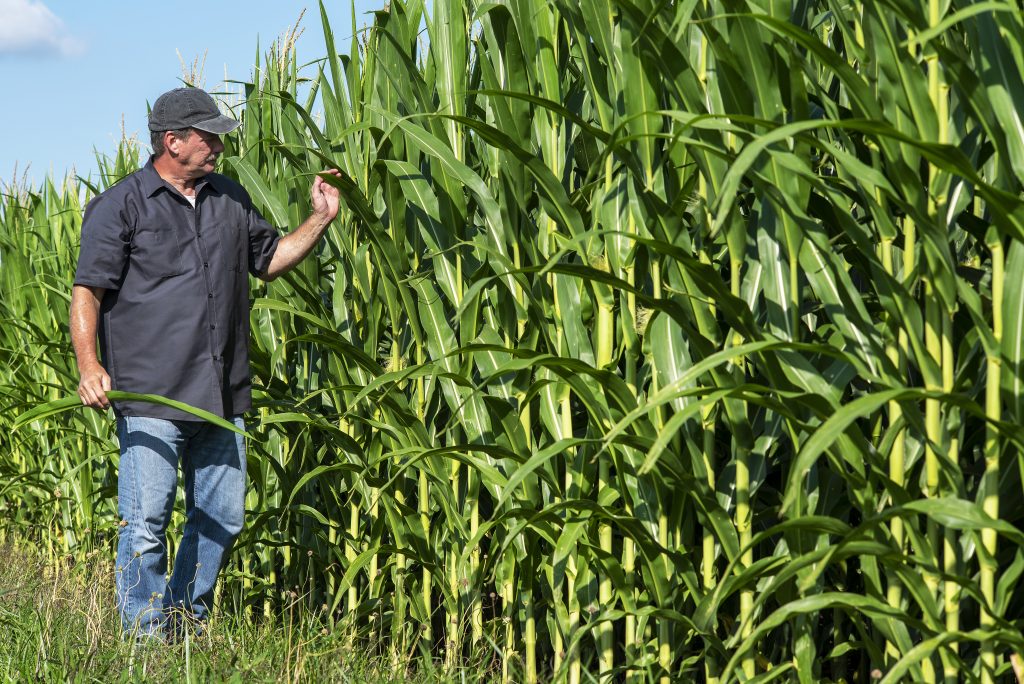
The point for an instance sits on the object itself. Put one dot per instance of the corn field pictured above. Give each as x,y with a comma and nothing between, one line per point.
676,341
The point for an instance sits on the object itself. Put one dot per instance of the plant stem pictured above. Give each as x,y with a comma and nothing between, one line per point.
990,501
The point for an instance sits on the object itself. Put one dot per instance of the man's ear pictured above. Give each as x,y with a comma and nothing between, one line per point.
171,143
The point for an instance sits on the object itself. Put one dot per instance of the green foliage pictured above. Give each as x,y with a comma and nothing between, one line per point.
59,627
655,340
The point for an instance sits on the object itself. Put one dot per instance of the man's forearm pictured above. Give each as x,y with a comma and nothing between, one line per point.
84,319
294,246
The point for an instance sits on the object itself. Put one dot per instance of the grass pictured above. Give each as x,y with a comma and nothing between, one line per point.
60,624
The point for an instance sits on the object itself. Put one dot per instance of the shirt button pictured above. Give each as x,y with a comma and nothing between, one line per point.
206,264
209,295
213,327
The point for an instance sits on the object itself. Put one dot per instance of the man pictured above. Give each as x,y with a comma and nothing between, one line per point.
161,279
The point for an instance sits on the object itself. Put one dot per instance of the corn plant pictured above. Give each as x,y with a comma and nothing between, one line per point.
665,341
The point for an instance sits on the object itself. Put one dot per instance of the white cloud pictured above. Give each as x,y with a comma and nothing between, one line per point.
28,27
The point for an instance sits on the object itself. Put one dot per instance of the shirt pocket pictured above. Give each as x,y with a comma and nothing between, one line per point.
156,253
234,248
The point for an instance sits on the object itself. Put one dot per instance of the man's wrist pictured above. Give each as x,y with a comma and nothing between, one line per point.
89,364
323,218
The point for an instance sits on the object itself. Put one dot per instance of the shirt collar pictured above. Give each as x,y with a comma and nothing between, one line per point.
151,181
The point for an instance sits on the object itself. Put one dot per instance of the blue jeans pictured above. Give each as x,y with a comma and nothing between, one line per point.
213,463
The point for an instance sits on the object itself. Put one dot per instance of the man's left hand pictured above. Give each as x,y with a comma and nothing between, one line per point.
294,246
325,197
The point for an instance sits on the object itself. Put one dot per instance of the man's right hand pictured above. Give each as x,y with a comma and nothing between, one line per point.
84,319
93,386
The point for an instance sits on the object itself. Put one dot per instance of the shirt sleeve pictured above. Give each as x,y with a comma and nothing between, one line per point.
106,243
263,239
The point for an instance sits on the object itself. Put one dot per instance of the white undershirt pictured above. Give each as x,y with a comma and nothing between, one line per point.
191,200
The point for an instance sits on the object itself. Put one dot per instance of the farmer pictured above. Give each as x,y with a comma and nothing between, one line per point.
162,280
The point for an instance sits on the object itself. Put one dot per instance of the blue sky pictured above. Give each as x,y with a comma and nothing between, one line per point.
70,69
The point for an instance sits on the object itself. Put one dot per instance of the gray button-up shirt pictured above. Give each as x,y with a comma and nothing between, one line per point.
175,318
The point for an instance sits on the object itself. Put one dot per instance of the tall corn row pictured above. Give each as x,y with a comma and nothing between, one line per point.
654,341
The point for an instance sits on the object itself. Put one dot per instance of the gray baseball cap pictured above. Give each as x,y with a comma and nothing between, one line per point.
189,108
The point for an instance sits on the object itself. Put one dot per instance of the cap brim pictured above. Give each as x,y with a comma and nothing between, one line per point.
219,125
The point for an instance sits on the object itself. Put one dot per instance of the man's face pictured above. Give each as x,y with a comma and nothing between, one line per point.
197,154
